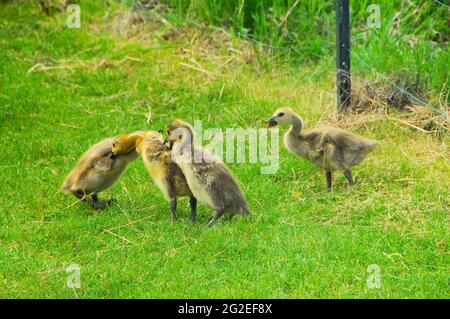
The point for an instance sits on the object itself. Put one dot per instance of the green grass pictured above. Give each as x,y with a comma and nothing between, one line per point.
300,241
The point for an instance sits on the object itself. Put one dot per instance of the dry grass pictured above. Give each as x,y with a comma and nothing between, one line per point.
380,101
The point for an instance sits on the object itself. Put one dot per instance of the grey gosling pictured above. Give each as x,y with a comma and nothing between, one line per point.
96,170
162,169
209,179
329,148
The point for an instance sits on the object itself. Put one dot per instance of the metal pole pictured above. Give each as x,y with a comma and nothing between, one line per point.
343,54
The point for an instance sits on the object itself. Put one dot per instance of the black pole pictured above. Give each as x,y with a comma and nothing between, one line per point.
343,54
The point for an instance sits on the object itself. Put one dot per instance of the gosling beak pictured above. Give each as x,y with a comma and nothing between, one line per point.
111,155
271,122
165,141
160,131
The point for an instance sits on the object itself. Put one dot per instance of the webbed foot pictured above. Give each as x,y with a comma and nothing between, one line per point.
99,204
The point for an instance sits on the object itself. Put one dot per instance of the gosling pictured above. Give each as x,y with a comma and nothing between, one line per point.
162,169
329,148
208,178
97,169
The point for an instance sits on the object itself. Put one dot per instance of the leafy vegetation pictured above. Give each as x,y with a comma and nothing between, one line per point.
411,41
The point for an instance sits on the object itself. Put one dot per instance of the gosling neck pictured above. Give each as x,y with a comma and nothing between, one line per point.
297,125
188,139
136,140
186,142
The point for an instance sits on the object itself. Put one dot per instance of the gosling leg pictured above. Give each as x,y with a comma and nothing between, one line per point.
92,200
80,195
219,212
193,203
173,208
348,175
329,180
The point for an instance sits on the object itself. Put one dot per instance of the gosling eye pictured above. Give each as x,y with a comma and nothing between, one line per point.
281,114
114,144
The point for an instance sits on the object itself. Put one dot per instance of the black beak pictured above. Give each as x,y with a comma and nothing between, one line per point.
111,155
160,131
165,141
271,122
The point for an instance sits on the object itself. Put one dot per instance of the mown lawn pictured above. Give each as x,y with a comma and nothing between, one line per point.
61,90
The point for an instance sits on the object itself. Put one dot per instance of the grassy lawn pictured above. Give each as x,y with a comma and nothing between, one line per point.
62,90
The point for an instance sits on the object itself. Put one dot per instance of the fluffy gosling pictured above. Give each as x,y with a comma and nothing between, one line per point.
208,178
329,148
96,170
162,169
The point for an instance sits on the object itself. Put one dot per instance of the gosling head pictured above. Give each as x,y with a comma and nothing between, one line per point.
153,143
124,144
281,116
154,137
177,131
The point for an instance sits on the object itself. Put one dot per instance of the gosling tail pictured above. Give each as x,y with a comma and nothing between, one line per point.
65,188
243,209
371,145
